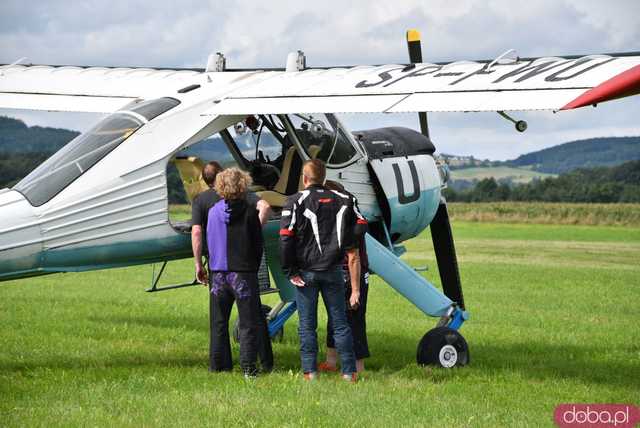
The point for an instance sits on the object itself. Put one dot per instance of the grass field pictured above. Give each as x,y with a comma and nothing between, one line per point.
554,319
547,213
517,175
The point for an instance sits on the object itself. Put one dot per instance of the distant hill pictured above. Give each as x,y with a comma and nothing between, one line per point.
620,183
467,171
23,148
581,154
466,178
16,137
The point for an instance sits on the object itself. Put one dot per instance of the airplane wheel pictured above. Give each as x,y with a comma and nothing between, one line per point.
265,311
444,347
521,126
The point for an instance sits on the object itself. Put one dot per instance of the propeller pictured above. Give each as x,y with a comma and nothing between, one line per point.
440,226
415,56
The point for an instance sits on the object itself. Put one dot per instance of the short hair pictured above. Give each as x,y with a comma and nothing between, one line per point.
315,171
334,185
232,183
210,171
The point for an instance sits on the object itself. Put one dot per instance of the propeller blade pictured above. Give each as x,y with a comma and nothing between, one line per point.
414,45
415,56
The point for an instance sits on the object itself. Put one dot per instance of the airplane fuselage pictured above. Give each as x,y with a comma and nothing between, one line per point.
115,211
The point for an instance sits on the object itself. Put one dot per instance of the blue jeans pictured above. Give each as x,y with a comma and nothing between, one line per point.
331,284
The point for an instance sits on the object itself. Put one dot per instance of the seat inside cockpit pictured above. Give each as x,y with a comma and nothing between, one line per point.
271,148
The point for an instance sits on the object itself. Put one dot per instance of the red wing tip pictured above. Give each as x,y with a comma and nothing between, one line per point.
621,85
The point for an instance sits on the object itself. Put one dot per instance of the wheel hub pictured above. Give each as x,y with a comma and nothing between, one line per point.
448,356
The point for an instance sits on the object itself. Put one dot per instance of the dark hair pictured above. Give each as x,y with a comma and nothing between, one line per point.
315,171
334,185
210,171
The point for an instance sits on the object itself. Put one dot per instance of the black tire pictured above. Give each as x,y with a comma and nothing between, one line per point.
265,311
444,347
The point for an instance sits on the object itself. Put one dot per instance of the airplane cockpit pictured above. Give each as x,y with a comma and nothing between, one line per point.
272,148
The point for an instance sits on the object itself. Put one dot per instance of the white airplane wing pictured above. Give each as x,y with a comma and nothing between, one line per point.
534,84
531,84
85,89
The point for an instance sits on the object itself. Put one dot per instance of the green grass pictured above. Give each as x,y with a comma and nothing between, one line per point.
554,319
547,213
517,175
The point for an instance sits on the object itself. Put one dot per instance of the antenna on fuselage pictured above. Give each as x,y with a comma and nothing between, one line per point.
415,56
216,63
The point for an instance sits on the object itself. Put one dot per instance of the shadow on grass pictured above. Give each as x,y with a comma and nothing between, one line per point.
392,355
588,363
169,321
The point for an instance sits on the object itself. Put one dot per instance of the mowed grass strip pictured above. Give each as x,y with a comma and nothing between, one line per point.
554,315
547,213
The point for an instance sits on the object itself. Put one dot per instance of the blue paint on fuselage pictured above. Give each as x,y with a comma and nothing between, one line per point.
408,220
114,255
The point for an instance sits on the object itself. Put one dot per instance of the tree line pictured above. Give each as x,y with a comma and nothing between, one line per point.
601,184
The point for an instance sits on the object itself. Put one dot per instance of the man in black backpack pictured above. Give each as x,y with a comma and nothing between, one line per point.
318,226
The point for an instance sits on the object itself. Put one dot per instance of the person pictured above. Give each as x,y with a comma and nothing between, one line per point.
235,243
200,207
356,317
316,228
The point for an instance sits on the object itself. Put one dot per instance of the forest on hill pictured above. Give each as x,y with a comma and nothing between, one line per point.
600,184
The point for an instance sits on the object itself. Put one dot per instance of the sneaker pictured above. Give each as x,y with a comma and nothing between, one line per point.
353,377
326,367
250,374
311,376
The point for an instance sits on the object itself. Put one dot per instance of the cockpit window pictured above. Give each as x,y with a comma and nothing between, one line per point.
84,151
322,137
154,108
263,143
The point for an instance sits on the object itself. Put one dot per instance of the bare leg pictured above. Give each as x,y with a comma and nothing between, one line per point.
360,365
332,357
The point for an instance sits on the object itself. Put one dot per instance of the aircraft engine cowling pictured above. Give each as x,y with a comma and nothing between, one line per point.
405,176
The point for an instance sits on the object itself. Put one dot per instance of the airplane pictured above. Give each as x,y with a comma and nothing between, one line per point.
101,201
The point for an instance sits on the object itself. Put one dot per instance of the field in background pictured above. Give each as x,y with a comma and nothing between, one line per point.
554,316
515,175
547,213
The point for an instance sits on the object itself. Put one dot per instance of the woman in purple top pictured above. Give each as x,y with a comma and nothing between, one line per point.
234,240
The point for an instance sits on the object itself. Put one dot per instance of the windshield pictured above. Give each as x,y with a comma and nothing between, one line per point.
260,138
322,137
84,151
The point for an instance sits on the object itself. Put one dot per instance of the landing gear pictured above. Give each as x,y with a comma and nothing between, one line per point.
266,310
520,125
444,347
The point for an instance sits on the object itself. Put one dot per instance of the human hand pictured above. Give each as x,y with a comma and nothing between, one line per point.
201,275
297,281
354,300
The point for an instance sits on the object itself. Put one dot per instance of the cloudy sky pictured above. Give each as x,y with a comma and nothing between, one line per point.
258,33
